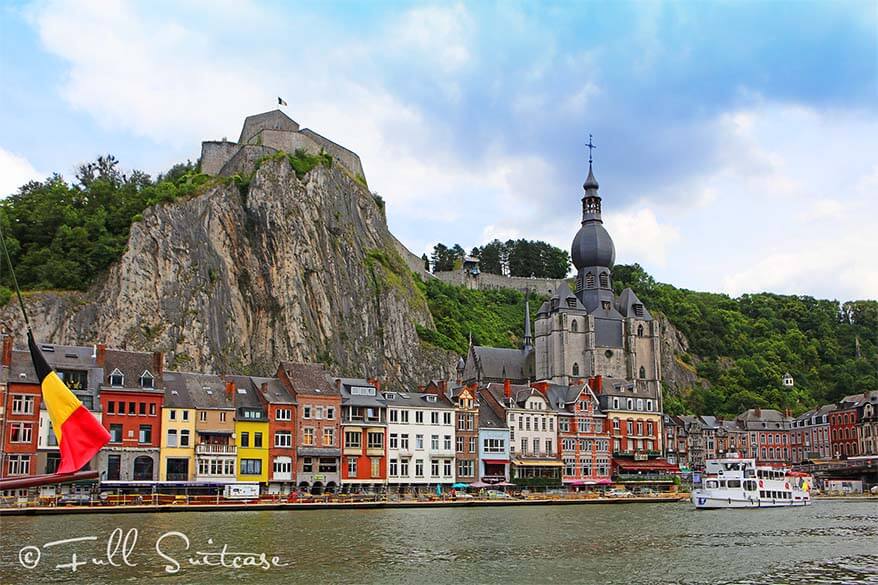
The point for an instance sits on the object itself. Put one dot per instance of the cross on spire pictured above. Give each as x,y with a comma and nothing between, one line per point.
590,147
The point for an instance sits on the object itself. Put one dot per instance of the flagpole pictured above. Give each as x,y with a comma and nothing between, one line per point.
14,279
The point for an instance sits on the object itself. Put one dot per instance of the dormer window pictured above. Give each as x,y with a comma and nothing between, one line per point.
147,380
431,398
117,378
605,305
390,395
638,310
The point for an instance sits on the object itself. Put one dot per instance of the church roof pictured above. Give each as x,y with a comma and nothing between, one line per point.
495,363
626,303
593,246
564,299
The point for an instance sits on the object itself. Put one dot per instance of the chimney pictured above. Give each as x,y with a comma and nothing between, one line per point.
507,390
599,384
338,384
7,350
230,390
787,412
158,363
101,355
421,388
443,386
757,411
542,387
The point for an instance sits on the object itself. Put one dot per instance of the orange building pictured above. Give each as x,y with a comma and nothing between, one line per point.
364,430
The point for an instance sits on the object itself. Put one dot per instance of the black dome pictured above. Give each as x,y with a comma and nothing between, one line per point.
593,246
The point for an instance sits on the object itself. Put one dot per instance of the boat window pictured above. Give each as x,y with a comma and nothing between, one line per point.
722,483
750,485
734,483
710,484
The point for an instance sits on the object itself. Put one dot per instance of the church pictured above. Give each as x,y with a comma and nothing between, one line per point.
589,333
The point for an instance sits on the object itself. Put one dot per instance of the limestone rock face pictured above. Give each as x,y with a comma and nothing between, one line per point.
234,280
678,365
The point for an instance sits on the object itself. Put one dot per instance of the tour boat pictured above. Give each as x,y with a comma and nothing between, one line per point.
740,483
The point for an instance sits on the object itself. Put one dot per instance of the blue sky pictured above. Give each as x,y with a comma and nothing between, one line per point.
736,141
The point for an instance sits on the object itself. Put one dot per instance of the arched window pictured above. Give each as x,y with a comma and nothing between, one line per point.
573,326
640,404
649,405
575,369
589,280
605,280
630,404
640,330
642,372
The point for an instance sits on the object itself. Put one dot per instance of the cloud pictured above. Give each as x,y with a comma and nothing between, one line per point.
640,236
15,171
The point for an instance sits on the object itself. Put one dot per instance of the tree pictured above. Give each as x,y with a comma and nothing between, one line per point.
442,258
426,261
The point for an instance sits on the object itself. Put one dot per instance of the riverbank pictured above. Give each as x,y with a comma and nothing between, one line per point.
406,504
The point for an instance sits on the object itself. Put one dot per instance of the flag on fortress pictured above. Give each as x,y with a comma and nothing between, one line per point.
280,101
80,435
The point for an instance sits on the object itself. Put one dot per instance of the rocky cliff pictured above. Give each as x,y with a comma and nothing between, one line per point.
678,365
238,277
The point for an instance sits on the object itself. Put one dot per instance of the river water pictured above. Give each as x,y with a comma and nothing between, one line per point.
828,542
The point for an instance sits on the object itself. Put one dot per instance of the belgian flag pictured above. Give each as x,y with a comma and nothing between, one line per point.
80,435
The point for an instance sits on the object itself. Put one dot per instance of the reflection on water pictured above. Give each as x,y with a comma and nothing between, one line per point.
829,542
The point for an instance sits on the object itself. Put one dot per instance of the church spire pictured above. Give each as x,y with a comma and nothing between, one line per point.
591,201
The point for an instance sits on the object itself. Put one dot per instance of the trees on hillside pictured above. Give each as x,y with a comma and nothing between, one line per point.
512,258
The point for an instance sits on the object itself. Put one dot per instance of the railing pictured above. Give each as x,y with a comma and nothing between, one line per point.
644,477
215,449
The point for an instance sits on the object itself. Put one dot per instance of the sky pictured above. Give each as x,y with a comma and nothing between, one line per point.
737,142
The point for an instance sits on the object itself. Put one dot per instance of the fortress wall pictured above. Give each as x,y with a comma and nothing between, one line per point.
244,161
253,125
288,142
412,260
215,154
486,280
347,157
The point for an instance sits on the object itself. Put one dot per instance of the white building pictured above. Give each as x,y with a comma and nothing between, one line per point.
420,441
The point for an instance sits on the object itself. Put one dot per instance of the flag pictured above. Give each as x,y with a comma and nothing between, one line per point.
80,435
281,102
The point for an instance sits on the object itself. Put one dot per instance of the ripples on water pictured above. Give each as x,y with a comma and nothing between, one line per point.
829,542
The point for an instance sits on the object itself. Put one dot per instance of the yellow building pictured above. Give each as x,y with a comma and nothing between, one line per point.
177,455
251,431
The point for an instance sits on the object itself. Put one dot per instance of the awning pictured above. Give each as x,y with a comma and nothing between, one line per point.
496,461
538,463
211,432
651,466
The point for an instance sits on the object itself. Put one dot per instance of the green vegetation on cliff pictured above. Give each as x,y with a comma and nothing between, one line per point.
493,317
742,346
61,235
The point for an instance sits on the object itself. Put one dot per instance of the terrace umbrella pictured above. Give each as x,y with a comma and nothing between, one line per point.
459,486
438,490
479,484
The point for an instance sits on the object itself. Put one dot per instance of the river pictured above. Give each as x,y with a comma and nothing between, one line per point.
828,542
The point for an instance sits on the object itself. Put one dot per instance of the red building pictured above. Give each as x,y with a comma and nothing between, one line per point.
20,422
318,425
281,408
843,427
131,398
364,430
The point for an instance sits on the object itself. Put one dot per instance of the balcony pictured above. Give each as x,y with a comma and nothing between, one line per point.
215,449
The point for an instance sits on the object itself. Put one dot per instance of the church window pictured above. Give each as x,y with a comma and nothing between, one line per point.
589,280
609,353
575,369
638,310
573,326
605,305
571,302
640,330
605,280
642,372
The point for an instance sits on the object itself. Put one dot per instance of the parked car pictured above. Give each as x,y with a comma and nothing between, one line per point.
645,491
619,493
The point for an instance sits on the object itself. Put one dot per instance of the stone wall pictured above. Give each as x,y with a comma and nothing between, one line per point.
485,280
215,154
244,161
347,157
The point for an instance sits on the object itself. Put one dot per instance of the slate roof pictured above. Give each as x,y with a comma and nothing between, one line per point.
495,363
21,364
561,396
626,303
488,419
132,364
245,392
273,390
310,379
417,399
194,390
764,419
520,393
349,399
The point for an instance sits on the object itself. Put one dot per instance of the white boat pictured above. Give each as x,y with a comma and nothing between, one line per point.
739,483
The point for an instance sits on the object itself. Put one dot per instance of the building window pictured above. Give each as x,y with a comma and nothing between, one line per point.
19,464
640,404
473,443
143,468
328,437
575,369
460,444
352,466
434,418
616,403
353,439
549,448
184,438
22,404
282,414
308,437
404,467
257,440
171,438
419,468
446,419
434,442
117,379
404,442
640,330
642,373
147,380
307,465
21,432
152,409
330,412
446,468
145,434
536,446
434,468
589,280
375,441
419,417
202,415
222,417
283,466
394,441
306,412
419,441
283,439
251,466
172,414
574,327
394,468
605,280
394,415
115,433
